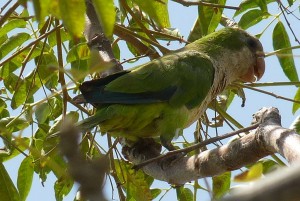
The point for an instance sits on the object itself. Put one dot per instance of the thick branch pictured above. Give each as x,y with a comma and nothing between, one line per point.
269,138
98,42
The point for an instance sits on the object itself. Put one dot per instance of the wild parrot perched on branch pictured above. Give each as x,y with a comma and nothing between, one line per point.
162,97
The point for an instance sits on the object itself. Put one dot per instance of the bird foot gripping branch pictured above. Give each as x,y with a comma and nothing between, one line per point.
162,97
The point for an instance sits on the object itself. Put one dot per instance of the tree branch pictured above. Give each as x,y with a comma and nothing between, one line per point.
98,42
267,139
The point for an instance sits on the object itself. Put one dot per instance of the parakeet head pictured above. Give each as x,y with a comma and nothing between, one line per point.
236,53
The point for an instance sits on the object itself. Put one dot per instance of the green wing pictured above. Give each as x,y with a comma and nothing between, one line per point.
186,76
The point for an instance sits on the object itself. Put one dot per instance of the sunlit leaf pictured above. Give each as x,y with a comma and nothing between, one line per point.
269,165
262,4
255,172
2,105
64,36
157,11
251,18
281,41
41,8
78,52
296,106
10,25
42,112
62,187
136,185
106,14
155,192
8,191
25,176
13,124
72,13
27,87
209,17
221,184
21,143
296,124
13,42
248,4
72,118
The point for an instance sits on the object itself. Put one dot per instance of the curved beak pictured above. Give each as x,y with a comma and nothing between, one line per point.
259,68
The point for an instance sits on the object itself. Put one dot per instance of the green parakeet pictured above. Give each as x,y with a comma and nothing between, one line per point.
162,97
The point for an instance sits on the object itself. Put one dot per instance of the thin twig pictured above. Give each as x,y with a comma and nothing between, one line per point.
160,47
134,58
5,5
61,78
25,61
196,146
12,144
203,3
125,34
269,84
145,30
281,50
268,93
8,13
286,20
113,173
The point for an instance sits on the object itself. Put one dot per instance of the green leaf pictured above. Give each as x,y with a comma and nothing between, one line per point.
2,105
269,165
135,182
13,42
3,39
78,52
155,192
209,17
8,191
280,41
42,112
248,4
62,187
255,172
184,194
10,25
251,18
262,4
291,2
30,85
25,175
105,10
296,106
41,8
64,36
157,11
21,143
196,32
13,124
71,116
221,185
72,13
296,124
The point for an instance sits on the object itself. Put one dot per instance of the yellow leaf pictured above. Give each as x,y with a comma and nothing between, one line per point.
255,172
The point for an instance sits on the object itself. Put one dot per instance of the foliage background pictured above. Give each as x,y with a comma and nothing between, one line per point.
183,18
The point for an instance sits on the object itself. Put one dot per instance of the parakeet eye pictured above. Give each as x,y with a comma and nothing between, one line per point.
252,43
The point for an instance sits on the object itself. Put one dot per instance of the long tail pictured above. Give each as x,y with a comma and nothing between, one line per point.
91,122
